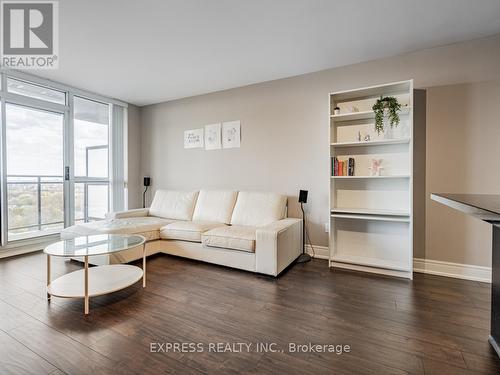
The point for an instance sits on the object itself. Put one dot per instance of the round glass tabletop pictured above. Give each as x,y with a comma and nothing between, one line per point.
98,244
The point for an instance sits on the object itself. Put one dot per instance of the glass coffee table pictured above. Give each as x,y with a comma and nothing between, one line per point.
95,281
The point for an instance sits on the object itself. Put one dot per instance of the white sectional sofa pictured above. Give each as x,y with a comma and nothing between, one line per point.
245,230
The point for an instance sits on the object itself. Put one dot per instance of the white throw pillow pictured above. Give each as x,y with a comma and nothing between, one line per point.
178,205
258,209
215,206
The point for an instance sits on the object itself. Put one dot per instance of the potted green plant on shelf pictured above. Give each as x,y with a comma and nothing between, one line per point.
389,104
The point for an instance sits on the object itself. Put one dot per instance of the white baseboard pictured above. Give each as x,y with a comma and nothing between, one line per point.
456,270
320,252
429,266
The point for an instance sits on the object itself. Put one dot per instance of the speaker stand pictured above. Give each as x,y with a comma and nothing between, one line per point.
144,197
304,257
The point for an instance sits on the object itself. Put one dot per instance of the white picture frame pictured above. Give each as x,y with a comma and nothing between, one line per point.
194,138
231,134
213,140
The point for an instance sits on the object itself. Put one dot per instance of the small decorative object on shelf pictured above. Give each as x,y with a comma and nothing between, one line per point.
359,136
390,104
367,138
336,111
376,167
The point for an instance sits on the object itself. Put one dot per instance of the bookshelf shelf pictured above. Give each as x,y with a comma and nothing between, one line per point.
372,143
373,262
364,115
374,91
371,217
371,177
370,211
401,219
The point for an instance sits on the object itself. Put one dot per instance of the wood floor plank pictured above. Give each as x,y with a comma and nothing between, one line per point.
16,358
481,364
63,352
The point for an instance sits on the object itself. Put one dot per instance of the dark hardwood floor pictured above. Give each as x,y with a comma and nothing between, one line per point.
433,325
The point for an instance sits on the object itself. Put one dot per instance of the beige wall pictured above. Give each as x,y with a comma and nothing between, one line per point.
285,129
134,181
463,152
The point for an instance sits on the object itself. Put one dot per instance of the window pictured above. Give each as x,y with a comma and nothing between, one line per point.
91,156
34,145
52,181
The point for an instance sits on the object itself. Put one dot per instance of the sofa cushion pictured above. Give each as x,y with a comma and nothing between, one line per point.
187,230
148,227
215,206
231,237
177,205
258,209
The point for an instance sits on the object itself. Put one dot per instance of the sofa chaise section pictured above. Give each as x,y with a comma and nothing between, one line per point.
147,226
167,207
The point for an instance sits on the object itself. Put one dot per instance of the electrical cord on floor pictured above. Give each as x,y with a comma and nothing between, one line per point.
309,239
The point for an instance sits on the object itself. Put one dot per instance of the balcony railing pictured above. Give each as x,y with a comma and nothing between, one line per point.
36,205
29,199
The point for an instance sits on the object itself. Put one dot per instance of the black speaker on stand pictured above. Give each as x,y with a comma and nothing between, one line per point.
304,257
147,183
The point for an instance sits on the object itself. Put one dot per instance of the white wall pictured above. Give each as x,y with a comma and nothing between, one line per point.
134,157
463,151
285,130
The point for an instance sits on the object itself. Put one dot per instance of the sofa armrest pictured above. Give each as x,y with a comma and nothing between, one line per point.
277,245
138,212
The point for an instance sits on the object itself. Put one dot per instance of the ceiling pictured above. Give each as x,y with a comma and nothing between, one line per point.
150,51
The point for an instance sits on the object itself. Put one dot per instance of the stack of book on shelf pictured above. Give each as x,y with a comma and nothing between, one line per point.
342,167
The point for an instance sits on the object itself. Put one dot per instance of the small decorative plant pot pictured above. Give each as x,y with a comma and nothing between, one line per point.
336,111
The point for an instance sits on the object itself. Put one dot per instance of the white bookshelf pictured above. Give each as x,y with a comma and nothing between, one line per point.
371,217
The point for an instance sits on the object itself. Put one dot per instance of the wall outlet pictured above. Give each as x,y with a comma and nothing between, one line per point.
327,229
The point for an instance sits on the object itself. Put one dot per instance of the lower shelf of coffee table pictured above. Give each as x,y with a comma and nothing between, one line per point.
101,280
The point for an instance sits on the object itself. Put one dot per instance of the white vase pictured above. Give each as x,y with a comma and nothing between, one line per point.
388,130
